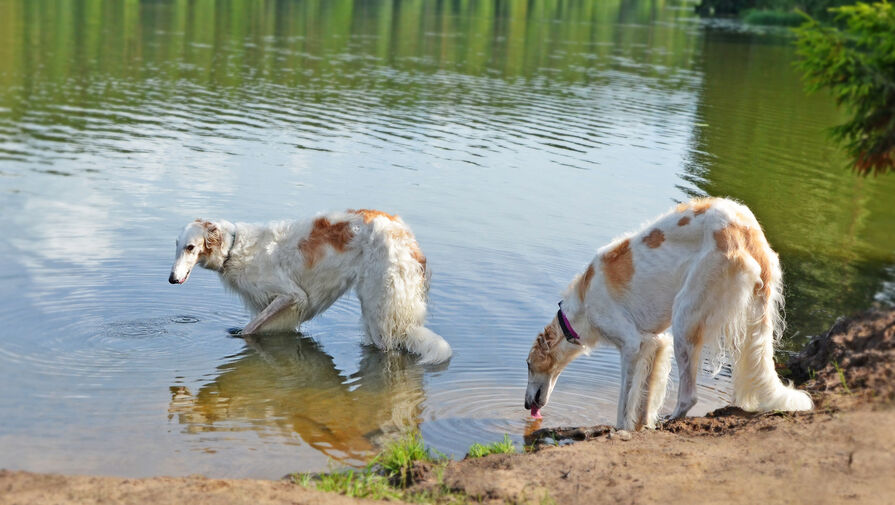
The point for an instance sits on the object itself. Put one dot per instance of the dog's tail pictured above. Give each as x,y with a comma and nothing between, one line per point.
648,383
756,329
431,347
394,292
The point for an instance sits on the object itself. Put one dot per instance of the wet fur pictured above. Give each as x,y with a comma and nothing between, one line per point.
704,270
288,272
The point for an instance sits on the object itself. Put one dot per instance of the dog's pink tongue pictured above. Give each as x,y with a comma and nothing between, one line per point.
536,412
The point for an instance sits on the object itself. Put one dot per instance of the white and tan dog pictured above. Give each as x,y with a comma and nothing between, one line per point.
288,272
704,269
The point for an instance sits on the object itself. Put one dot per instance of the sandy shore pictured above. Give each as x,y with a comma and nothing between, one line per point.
842,452
32,488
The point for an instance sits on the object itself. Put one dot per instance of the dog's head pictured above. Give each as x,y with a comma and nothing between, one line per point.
548,356
199,242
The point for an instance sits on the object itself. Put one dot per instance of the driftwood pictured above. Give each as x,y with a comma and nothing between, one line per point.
556,435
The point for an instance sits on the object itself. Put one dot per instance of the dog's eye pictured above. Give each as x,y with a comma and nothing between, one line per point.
190,247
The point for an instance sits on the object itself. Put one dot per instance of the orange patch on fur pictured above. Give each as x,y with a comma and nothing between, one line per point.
370,214
695,337
684,221
736,240
618,267
654,239
700,205
324,233
584,282
418,255
404,235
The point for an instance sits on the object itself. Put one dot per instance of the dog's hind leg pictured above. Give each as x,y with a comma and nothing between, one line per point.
688,327
393,296
688,357
283,311
394,313
700,316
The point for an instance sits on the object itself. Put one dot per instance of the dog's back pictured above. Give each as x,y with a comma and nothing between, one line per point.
706,270
645,271
372,251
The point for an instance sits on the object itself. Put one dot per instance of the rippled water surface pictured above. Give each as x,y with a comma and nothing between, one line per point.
515,137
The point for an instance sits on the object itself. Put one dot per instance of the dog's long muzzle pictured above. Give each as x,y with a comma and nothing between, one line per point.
533,401
174,280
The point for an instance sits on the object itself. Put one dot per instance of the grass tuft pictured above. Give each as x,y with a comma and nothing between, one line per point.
388,476
505,446
357,484
841,376
397,459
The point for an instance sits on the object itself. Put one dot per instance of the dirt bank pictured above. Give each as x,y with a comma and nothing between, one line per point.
31,488
842,452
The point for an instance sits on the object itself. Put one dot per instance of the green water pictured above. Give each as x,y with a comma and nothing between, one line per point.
764,142
515,137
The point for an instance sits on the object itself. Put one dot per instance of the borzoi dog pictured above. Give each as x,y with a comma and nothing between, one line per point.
288,272
704,269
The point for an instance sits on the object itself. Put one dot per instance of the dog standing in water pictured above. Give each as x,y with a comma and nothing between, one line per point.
704,269
288,272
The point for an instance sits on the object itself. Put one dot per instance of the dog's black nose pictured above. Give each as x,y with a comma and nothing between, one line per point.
171,278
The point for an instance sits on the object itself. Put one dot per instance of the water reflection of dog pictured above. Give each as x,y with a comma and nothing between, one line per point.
287,384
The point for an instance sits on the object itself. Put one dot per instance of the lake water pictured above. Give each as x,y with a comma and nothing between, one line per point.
515,137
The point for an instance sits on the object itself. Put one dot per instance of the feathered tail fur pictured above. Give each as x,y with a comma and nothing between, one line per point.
394,301
756,385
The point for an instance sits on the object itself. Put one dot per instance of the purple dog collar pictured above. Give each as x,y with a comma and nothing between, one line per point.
566,326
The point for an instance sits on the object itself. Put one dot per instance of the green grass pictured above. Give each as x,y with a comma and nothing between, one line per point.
772,18
841,376
547,499
387,476
503,447
356,484
397,459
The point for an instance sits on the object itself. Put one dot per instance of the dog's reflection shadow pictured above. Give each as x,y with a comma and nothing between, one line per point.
285,384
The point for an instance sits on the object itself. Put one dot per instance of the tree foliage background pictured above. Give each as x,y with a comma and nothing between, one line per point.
817,8
855,60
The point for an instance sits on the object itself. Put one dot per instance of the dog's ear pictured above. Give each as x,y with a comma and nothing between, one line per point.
212,234
542,343
551,335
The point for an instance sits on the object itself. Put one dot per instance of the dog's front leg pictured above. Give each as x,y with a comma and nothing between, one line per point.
627,368
279,304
